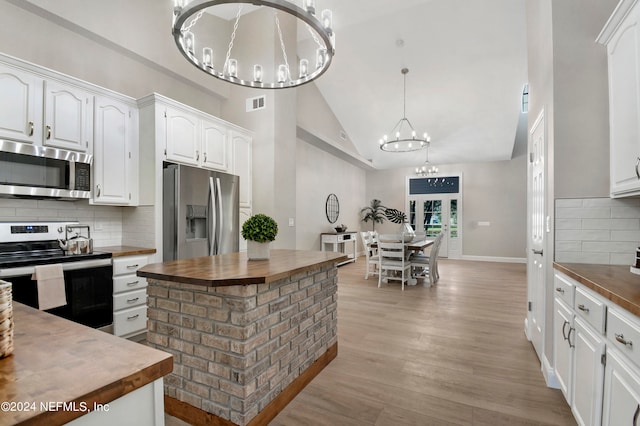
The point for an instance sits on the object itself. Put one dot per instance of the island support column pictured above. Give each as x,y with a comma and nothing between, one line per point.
242,352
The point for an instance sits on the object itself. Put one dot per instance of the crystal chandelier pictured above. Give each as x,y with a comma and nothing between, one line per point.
403,136
187,13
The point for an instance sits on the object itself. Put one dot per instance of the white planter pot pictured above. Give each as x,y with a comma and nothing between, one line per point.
258,251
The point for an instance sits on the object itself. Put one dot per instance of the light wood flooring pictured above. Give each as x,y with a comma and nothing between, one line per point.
451,354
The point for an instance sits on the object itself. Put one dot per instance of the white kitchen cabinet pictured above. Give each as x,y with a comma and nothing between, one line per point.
115,178
20,105
68,118
242,164
621,35
129,296
244,215
182,137
215,146
588,374
563,344
621,392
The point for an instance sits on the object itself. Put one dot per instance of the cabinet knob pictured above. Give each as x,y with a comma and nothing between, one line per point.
560,290
49,135
620,338
98,190
31,128
583,308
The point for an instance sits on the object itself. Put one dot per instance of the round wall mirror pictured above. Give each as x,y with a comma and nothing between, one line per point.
332,208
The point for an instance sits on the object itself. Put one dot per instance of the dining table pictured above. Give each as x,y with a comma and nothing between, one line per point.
411,247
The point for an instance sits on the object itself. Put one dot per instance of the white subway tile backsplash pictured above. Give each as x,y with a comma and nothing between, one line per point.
609,230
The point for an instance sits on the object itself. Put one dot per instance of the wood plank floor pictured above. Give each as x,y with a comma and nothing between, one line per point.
451,354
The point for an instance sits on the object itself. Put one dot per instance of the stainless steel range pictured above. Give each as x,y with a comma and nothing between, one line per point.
88,276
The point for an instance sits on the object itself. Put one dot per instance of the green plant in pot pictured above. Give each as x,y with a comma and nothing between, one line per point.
259,230
396,216
374,212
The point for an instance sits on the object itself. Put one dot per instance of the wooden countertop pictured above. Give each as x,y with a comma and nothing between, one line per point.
58,360
120,251
614,282
237,269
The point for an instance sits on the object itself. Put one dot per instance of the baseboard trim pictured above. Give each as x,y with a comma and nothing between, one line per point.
494,259
549,374
196,416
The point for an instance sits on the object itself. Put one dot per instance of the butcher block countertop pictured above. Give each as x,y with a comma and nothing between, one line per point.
614,282
120,251
237,269
56,360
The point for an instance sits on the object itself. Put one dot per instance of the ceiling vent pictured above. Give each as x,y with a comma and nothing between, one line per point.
256,103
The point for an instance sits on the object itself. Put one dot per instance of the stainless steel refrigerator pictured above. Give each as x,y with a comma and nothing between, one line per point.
200,212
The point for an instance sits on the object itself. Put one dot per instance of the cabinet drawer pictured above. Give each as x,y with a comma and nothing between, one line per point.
130,321
128,264
128,283
564,288
591,309
624,333
129,299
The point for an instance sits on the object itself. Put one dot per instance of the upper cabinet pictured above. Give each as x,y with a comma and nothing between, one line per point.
196,139
621,35
44,112
20,105
241,145
115,176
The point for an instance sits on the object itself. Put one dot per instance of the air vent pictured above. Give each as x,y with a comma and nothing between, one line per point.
254,104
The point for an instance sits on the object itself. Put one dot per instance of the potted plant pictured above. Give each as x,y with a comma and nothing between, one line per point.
396,216
259,230
374,212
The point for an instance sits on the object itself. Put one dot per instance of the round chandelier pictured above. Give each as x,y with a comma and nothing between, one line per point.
186,15
403,136
427,169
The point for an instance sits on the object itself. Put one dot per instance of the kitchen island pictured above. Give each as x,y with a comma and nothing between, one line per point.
61,372
246,335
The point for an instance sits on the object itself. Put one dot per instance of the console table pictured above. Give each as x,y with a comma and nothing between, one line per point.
339,242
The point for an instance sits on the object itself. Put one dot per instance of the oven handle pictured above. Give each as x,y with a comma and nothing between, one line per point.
69,266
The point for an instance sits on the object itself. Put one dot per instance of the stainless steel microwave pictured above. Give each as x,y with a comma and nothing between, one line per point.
43,172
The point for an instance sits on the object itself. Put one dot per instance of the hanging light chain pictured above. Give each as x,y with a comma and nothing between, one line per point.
193,22
233,36
284,50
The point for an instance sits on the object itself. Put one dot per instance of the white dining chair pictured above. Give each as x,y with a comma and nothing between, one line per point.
428,264
371,253
392,259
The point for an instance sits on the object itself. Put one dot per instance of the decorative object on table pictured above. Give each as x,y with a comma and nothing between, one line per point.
259,230
403,136
315,57
6,319
332,208
374,212
396,216
341,228
635,268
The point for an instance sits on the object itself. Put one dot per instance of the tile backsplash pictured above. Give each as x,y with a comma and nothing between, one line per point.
597,230
109,225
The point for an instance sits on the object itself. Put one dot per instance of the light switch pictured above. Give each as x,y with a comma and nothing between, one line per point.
291,222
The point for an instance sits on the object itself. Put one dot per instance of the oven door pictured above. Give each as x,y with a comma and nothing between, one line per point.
88,287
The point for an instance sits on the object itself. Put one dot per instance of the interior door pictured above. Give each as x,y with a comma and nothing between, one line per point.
536,267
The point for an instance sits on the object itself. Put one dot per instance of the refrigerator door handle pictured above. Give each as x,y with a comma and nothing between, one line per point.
211,222
220,226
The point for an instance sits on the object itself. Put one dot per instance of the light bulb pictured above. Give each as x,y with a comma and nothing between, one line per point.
381,142
396,146
232,69
413,134
398,135
309,6
283,72
384,137
207,57
327,19
189,42
410,145
320,57
257,73
304,67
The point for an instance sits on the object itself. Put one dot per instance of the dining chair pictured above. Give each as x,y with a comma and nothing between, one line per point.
371,254
428,264
392,259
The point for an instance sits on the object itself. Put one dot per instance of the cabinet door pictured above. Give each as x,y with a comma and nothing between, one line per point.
67,118
215,150
183,137
624,105
241,144
621,392
588,375
113,158
563,339
244,215
20,105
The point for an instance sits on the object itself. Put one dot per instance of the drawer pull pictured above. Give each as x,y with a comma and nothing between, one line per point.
132,317
135,299
560,290
132,283
583,308
132,266
620,338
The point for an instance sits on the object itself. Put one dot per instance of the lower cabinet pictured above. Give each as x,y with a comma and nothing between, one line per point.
563,344
621,392
129,296
588,374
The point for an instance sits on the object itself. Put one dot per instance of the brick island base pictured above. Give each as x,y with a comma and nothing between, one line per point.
242,352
